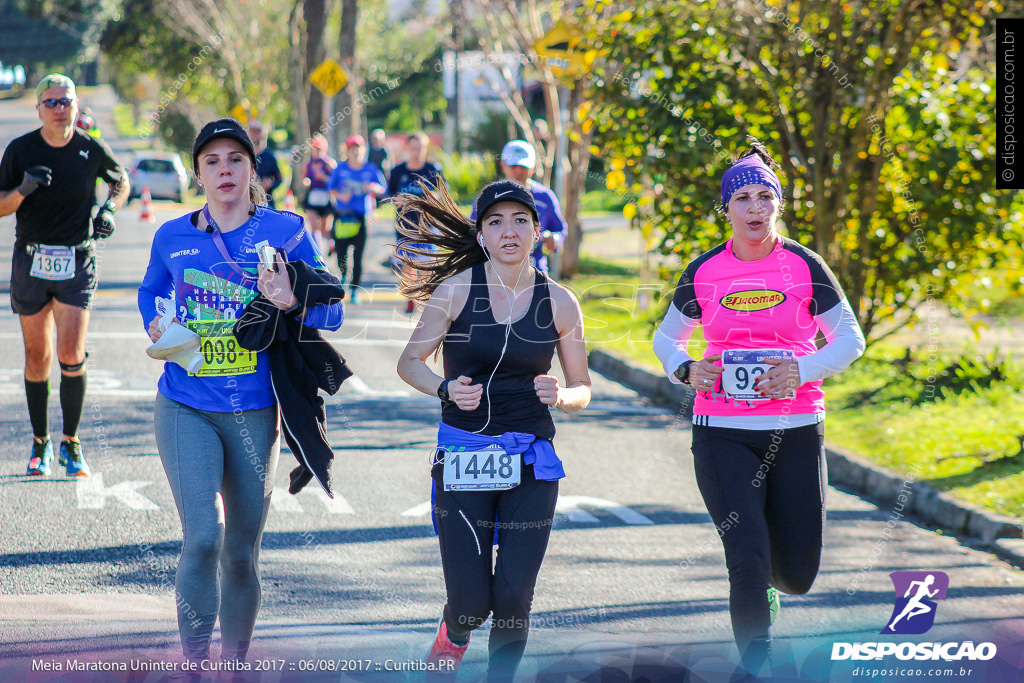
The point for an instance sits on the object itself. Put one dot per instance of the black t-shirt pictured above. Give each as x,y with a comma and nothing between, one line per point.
403,179
60,214
378,156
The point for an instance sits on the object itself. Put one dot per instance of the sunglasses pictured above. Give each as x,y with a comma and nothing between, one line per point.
53,103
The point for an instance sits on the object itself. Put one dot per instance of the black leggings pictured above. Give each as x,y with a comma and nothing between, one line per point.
358,244
465,528
765,492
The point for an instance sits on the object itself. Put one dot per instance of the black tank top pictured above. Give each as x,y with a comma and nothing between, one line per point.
472,348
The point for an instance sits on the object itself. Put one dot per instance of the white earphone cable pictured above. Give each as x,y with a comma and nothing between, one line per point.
508,327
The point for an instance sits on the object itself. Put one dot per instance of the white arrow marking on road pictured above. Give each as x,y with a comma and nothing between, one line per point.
418,510
360,387
93,495
569,506
338,506
282,501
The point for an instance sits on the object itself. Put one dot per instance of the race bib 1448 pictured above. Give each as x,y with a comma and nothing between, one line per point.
488,469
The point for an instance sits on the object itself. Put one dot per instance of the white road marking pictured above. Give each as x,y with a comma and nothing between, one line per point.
338,506
418,510
570,507
357,385
93,495
282,501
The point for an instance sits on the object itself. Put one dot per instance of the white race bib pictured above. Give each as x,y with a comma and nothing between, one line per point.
741,367
53,263
318,197
489,469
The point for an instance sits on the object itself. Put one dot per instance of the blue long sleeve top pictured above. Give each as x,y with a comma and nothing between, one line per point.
186,265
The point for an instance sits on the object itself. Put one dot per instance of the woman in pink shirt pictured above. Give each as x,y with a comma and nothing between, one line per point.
758,433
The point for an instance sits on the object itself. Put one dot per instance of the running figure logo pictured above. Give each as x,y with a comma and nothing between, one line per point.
914,612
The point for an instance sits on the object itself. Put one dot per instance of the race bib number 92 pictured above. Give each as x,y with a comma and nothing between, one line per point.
742,367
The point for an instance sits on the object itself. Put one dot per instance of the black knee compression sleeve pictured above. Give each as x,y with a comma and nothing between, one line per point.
38,394
72,398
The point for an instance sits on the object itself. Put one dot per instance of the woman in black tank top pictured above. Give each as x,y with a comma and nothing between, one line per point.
498,323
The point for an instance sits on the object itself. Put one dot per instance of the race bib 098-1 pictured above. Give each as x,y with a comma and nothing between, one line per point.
741,367
489,469
221,353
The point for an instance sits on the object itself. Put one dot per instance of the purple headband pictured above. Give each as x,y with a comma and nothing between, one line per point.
747,171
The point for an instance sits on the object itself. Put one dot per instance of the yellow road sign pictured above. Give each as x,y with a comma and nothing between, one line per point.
238,112
329,78
560,49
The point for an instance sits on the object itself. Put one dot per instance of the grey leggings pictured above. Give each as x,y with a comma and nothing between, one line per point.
220,467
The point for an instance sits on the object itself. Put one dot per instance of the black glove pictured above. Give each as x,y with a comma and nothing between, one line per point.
103,224
34,177
299,477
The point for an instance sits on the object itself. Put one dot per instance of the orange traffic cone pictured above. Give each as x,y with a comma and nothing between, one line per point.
147,206
289,201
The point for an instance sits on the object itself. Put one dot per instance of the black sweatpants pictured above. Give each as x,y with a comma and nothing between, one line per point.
765,492
465,527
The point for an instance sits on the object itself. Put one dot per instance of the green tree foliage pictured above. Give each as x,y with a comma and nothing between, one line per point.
876,110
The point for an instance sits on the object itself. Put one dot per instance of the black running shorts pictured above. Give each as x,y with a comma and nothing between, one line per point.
30,294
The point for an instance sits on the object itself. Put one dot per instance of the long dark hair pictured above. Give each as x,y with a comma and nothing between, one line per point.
433,219
757,147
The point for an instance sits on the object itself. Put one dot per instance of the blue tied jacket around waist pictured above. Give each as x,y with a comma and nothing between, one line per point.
537,452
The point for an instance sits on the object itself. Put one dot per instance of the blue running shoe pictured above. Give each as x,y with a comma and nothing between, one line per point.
39,461
773,604
71,457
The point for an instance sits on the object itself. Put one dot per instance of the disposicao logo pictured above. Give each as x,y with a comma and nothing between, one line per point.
913,613
916,592
753,300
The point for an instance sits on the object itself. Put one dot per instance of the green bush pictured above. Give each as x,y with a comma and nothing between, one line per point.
466,174
603,201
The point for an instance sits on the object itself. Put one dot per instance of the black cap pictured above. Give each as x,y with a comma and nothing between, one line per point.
222,128
504,191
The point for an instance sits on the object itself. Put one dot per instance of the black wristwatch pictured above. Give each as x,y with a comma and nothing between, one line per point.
298,310
683,371
442,391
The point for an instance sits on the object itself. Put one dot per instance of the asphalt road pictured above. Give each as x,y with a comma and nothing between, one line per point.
634,575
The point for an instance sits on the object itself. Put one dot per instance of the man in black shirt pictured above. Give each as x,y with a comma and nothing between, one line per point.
48,180
378,153
266,163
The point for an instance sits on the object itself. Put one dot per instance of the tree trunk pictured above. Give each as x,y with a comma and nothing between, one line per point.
315,12
575,178
347,115
296,62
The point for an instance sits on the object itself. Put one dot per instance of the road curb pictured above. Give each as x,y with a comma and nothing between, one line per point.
902,495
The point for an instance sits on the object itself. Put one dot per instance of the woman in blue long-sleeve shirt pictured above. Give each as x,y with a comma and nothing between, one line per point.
217,429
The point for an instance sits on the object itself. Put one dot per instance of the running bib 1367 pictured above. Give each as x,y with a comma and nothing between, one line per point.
221,353
489,469
53,263
741,367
